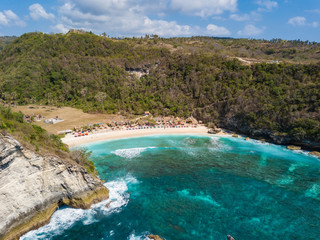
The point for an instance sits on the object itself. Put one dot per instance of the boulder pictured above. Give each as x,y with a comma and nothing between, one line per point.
314,153
235,135
292,147
214,130
154,237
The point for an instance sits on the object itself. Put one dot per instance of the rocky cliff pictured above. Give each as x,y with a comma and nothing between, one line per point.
32,187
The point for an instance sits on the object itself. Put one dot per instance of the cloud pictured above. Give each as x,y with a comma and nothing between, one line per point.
37,12
251,30
266,5
9,18
116,18
217,31
204,8
297,21
60,28
240,18
301,21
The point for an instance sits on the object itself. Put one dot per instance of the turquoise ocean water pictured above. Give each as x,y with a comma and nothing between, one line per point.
195,187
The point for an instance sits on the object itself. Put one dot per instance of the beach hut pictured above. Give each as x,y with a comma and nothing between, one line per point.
191,120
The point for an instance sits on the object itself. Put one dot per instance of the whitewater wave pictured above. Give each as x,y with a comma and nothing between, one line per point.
190,141
217,145
130,152
141,237
64,218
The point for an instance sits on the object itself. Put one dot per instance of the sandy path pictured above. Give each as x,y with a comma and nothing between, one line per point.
102,136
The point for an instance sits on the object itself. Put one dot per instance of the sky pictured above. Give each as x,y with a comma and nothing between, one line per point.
259,19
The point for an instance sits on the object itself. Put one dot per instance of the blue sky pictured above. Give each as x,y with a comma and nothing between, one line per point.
267,19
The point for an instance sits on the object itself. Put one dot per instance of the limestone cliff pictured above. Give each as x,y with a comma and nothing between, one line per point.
32,187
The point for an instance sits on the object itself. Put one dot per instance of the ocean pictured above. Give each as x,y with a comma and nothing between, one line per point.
196,187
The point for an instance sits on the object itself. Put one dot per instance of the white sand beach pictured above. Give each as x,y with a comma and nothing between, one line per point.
73,141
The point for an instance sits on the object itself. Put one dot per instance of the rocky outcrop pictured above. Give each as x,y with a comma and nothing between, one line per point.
292,147
315,153
214,130
239,126
154,237
32,187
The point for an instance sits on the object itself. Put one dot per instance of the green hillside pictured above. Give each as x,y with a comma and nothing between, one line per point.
5,41
180,76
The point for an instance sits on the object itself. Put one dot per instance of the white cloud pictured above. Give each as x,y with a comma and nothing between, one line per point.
9,18
60,28
301,21
240,18
217,30
297,21
204,8
250,30
37,12
119,18
266,5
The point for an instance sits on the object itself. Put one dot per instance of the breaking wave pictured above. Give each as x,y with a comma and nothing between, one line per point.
66,217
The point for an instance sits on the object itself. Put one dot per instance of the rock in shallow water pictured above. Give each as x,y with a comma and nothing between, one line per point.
230,237
154,237
292,147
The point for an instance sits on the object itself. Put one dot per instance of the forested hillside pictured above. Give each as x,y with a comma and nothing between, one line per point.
179,76
5,41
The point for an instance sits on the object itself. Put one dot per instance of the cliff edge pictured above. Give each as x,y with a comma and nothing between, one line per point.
32,187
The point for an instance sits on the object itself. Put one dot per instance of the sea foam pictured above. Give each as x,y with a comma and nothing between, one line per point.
130,152
65,217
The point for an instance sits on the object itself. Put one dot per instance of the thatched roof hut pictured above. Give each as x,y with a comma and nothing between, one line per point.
191,120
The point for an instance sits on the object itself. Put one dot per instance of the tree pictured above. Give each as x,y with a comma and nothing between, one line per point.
100,97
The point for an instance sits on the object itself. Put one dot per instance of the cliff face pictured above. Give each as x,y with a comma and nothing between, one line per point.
33,186
238,126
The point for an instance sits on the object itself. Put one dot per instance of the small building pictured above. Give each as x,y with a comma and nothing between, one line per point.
191,120
53,120
146,113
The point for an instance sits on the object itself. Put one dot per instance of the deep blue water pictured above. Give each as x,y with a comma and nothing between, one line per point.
192,187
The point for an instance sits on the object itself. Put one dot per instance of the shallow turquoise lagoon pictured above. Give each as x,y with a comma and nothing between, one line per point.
195,187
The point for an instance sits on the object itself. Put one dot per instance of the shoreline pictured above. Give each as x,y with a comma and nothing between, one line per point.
73,141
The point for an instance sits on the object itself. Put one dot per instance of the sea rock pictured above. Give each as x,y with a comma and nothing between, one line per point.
292,147
235,135
108,204
247,139
214,130
314,153
154,237
230,237
33,186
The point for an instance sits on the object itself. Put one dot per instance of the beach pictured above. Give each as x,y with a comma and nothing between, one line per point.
73,141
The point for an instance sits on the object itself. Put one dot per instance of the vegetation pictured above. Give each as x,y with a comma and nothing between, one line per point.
81,156
37,139
29,135
197,76
5,40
